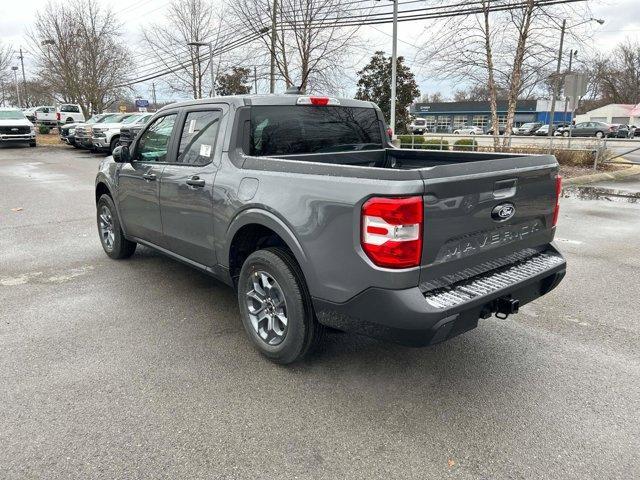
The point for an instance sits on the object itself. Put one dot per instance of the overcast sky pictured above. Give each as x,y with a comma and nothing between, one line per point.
622,20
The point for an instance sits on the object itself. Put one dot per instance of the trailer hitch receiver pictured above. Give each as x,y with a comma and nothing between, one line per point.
505,306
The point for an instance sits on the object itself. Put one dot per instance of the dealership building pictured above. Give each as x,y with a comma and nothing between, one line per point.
447,116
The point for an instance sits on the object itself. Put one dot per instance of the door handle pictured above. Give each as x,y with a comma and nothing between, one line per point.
195,181
149,176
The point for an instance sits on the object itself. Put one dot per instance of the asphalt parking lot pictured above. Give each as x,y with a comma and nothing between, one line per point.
141,369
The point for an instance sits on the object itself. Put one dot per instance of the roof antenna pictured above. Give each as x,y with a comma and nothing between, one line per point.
298,90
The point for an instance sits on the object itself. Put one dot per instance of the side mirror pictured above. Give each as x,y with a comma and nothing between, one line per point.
121,154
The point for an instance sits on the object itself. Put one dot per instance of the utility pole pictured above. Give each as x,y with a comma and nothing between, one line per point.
153,95
394,68
15,78
255,80
24,80
556,80
272,74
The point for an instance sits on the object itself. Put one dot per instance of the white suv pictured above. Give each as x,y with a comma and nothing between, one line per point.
105,136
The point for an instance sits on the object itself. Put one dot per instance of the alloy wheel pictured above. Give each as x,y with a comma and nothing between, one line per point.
106,228
267,308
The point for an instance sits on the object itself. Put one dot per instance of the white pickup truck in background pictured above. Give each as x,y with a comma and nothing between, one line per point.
69,113
53,116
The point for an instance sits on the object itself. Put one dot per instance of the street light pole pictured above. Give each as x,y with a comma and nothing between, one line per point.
394,68
556,80
572,53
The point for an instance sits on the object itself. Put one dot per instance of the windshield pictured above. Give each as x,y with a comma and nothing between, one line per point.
132,119
419,122
528,125
11,115
288,130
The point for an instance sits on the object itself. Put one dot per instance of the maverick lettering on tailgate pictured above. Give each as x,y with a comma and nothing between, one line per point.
475,243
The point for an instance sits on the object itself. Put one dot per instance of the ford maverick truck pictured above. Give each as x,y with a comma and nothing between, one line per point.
304,207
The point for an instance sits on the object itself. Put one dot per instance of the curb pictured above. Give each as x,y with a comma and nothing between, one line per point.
598,177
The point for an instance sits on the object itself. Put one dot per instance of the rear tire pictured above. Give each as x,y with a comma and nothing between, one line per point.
114,244
33,144
271,288
599,134
565,134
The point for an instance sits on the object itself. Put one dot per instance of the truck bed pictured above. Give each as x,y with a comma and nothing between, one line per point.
400,159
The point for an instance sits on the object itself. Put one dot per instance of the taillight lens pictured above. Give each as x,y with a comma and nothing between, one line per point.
392,231
58,116
558,191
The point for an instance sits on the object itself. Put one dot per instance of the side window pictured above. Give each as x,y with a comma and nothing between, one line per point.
154,142
198,138
70,108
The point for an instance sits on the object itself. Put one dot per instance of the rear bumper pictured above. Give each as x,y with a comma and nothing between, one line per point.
416,318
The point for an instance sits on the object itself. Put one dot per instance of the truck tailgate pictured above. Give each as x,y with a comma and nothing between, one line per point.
477,214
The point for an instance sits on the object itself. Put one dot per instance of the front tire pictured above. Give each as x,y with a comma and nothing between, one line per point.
114,244
113,144
33,144
275,306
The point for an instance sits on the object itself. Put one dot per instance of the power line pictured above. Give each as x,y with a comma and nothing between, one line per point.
359,20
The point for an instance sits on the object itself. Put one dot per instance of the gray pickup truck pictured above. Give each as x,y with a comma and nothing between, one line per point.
302,205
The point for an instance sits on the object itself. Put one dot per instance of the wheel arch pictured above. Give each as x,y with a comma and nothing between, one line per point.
256,228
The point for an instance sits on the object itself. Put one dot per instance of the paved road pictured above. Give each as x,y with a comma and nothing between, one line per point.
140,368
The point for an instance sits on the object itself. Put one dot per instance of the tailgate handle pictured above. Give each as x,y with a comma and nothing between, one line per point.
505,188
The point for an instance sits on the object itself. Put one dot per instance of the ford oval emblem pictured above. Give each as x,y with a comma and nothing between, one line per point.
503,212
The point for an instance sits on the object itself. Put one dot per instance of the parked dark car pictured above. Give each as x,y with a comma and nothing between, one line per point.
303,206
129,131
590,129
501,130
528,128
620,131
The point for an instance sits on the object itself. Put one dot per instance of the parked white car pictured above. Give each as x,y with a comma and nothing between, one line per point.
16,128
468,130
69,113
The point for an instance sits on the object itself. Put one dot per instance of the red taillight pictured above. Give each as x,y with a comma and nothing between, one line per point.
390,132
319,100
58,116
392,231
556,212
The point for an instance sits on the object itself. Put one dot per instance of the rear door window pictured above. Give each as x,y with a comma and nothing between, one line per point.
301,129
198,139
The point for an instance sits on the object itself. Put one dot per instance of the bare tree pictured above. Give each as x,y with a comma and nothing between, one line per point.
504,50
311,47
79,52
186,22
616,76
5,72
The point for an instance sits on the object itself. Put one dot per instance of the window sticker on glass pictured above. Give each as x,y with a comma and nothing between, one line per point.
192,126
205,150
